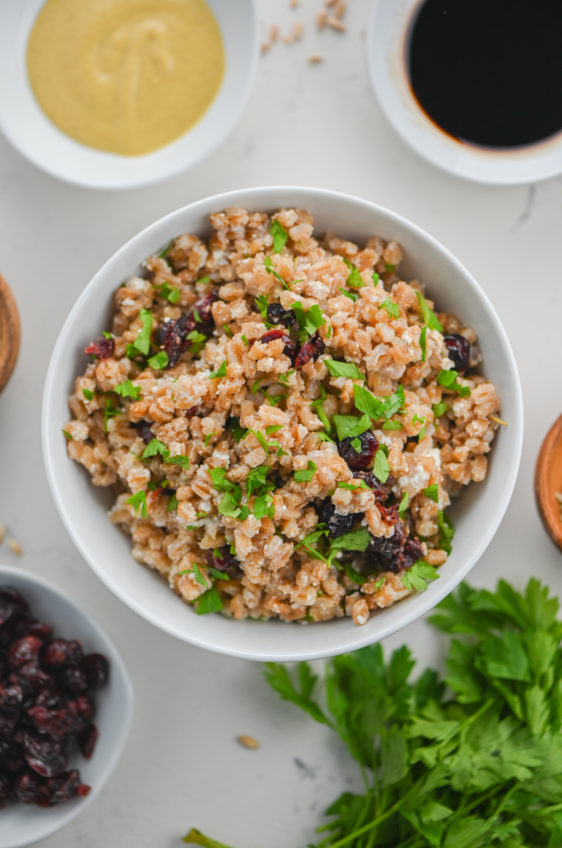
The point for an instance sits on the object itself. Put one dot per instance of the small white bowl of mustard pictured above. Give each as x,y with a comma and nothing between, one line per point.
123,93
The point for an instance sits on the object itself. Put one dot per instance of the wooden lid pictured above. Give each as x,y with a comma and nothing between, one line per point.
9,332
548,482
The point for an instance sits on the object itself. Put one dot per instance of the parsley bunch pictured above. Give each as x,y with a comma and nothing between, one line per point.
468,761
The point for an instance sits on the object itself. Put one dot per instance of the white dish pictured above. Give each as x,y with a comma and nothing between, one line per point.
23,824
386,47
83,507
27,127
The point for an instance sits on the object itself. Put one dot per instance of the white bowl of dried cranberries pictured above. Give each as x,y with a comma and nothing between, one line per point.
65,708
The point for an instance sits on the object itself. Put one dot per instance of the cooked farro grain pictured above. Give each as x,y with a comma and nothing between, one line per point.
281,421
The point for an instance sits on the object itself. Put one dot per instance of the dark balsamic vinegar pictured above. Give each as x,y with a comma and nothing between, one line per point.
489,72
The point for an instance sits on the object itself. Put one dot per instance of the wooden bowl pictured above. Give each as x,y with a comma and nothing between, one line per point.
9,332
548,482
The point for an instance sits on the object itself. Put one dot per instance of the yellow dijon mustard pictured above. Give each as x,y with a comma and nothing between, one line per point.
125,76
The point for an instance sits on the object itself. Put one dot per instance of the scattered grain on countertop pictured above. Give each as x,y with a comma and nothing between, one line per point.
315,58
2,533
15,547
249,742
336,24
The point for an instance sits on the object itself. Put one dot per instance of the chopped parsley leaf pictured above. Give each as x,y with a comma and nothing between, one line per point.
354,278
197,340
196,315
170,293
343,369
389,267
88,394
244,339
446,531
355,540
356,444
273,428
208,438
271,270
428,315
280,235
379,584
448,379
182,461
127,390
423,336
220,482
172,503
306,475
159,360
110,411
418,576
343,484
219,373
155,447
378,408
263,505
317,406
256,479
141,345
351,295
107,335
209,601
218,575
393,310
262,303
199,578
392,425
310,320
376,278
166,250
432,492
381,468
138,501
284,378
205,279
68,436
324,437
353,574
348,426
254,388
403,504
439,409
238,432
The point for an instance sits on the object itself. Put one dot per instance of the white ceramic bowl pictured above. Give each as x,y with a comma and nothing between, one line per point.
23,824
386,45
26,126
107,550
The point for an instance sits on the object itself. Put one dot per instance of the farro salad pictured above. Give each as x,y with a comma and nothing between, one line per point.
284,420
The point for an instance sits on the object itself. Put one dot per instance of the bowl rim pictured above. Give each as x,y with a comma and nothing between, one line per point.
145,176
118,668
423,601
510,166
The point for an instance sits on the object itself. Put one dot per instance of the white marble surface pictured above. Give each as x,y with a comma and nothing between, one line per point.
316,125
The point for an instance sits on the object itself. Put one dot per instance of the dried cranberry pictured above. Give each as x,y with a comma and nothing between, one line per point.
144,431
102,348
72,679
273,335
30,789
44,755
57,722
61,652
12,605
364,456
96,667
412,551
458,349
336,524
9,717
381,490
173,335
192,411
311,349
202,312
65,786
11,695
81,708
32,678
5,788
277,315
222,560
24,650
87,739
384,552
38,628
389,514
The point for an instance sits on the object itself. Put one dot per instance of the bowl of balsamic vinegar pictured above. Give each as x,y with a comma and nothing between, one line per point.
474,86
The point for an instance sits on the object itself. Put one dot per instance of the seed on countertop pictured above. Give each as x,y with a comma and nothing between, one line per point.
248,742
340,8
274,33
321,19
15,547
2,533
316,58
298,30
336,24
